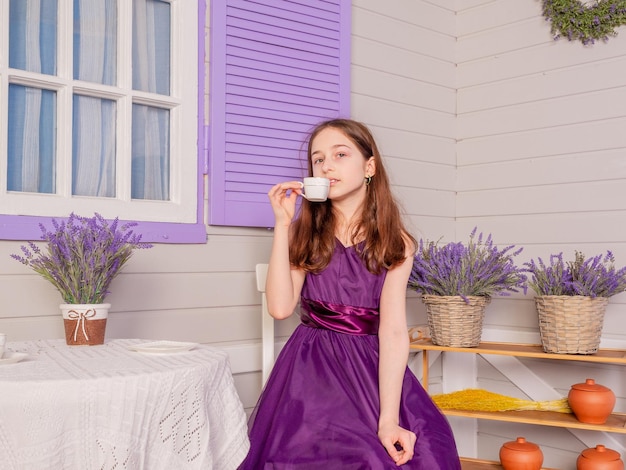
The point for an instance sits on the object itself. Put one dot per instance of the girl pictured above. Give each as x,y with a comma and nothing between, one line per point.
340,395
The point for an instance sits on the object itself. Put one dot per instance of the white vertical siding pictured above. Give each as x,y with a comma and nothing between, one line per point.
403,88
541,161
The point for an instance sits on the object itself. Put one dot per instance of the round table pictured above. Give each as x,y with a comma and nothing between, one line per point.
109,407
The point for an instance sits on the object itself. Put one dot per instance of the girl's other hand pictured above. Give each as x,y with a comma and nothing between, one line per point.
399,443
283,197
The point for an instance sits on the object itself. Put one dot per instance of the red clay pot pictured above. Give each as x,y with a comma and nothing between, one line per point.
591,403
599,458
521,455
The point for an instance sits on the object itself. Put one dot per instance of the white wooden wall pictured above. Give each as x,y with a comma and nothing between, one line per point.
541,162
485,121
404,89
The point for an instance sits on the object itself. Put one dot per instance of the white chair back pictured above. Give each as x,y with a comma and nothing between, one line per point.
267,325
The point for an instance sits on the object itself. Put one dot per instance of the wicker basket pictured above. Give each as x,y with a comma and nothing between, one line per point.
453,322
570,324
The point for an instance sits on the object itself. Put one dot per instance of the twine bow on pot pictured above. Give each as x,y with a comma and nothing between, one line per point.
81,317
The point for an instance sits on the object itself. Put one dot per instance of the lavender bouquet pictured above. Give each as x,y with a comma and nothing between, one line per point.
589,277
476,269
83,255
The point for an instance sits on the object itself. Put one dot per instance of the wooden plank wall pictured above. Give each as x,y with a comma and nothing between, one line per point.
541,164
403,88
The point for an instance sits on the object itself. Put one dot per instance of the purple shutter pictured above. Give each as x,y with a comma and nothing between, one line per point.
278,68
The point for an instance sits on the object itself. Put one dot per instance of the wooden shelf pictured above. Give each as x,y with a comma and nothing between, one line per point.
615,422
605,356
477,464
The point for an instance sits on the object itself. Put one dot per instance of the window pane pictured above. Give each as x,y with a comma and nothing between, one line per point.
31,140
95,41
151,155
33,35
151,46
93,147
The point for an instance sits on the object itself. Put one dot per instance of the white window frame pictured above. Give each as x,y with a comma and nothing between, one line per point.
184,109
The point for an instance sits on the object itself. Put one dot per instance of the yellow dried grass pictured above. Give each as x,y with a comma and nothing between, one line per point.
483,400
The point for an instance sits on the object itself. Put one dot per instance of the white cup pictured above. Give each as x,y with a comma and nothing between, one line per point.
3,344
315,188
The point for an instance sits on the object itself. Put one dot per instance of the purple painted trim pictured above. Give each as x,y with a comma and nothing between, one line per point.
345,58
23,227
18,227
217,111
202,143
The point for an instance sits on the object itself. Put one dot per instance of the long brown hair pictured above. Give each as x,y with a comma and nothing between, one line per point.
379,226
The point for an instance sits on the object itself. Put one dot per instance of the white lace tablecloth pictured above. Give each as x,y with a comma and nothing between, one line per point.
106,407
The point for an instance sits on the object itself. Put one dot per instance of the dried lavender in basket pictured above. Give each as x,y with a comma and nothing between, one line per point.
596,276
478,268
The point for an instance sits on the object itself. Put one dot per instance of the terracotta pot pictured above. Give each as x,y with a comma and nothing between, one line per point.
521,455
591,403
84,324
599,458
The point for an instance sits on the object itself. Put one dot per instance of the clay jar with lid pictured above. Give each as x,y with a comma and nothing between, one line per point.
592,403
521,455
599,458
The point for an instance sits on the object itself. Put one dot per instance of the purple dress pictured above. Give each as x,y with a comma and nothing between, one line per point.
320,406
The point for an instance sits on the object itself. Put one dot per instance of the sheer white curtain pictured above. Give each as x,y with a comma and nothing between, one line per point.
31,117
93,154
93,138
151,73
150,165
32,101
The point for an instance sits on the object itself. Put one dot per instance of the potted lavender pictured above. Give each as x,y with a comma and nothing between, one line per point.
571,298
82,257
457,282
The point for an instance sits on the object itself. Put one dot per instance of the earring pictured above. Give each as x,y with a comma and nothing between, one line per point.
368,180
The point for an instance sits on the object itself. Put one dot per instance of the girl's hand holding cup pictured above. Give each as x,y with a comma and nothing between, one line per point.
283,196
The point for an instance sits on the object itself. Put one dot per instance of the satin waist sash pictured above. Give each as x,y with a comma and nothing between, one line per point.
341,318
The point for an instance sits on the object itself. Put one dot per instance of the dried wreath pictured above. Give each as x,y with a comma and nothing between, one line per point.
584,21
